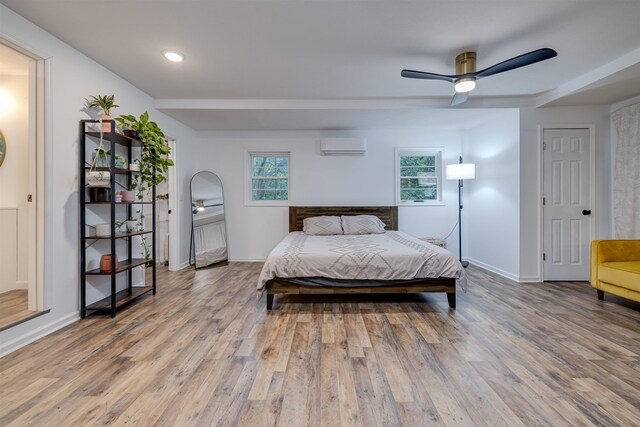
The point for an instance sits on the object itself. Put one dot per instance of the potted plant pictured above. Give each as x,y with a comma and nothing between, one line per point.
97,177
132,225
105,103
155,149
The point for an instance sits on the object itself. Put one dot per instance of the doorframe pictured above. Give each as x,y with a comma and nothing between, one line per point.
173,217
592,183
40,131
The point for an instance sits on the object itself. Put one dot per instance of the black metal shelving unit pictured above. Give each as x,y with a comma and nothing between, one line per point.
116,299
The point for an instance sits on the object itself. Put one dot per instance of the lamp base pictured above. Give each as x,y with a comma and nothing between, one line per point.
465,264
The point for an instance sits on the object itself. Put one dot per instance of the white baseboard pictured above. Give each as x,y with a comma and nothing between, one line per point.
247,259
31,336
529,279
22,284
493,269
182,265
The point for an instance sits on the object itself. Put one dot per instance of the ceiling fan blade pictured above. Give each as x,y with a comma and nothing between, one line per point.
518,61
427,76
459,98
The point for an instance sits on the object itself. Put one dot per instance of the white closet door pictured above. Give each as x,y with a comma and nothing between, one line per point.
567,204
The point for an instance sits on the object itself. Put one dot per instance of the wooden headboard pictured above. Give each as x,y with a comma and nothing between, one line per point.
387,214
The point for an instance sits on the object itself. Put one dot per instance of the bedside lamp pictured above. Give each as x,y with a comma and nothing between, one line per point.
461,171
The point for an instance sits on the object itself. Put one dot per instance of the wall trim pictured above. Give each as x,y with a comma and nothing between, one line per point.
495,270
183,264
35,334
529,279
249,259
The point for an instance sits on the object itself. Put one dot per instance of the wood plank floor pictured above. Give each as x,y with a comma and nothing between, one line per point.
204,351
14,308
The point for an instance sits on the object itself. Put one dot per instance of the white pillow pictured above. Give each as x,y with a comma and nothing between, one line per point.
322,225
362,224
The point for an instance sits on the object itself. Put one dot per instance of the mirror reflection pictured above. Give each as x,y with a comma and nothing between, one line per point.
208,226
3,148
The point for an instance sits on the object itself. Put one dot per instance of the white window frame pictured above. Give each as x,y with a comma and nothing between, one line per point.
438,152
248,168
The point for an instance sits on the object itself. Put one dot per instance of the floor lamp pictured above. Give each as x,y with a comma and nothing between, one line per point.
461,171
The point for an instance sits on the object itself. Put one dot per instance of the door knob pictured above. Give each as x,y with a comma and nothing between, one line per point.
586,212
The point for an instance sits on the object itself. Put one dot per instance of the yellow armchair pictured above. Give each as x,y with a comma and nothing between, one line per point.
615,268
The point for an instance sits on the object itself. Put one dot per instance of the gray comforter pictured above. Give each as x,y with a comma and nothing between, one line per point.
390,256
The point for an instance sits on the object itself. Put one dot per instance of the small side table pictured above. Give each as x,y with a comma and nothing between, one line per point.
438,242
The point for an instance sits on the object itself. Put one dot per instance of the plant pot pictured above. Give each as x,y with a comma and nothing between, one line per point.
105,263
131,133
99,194
103,230
106,127
134,167
128,196
99,178
132,225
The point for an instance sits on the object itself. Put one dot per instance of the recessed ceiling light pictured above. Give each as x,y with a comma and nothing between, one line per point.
173,56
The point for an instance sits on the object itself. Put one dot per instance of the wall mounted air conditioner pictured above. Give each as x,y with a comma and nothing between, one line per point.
343,147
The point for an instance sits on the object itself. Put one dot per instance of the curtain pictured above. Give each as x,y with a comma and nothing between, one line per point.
626,184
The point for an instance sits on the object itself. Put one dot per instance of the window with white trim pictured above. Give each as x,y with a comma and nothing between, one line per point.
268,178
419,176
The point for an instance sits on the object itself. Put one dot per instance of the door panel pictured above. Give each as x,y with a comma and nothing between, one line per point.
566,180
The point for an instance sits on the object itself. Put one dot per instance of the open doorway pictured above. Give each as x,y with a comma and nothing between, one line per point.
20,296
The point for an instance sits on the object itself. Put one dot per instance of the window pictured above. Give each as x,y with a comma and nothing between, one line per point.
419,176
268,178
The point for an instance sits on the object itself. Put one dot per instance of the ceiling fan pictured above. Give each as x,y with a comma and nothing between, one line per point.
466,75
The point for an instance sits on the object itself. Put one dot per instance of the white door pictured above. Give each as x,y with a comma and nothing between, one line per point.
566,204
164,212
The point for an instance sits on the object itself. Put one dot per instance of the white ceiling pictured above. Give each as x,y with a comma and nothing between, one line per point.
334,50
331,119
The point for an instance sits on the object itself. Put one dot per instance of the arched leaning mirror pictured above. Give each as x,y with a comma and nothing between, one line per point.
208,226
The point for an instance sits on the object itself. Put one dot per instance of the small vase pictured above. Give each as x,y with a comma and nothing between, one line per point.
100,194
105,263
128,196
132,225
103,230
106,127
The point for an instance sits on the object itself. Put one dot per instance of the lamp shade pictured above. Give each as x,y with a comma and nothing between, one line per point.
461,171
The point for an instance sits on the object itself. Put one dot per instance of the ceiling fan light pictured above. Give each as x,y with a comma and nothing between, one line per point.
465,85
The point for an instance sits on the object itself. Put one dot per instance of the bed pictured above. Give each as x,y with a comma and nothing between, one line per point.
388,263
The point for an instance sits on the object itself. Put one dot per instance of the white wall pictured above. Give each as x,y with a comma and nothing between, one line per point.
491,220
530,121
73,77
14,172
325,180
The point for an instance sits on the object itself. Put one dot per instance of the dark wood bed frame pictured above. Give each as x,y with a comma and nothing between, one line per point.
388,215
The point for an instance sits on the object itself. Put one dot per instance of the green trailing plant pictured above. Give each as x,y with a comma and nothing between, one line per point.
105,103
155,149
